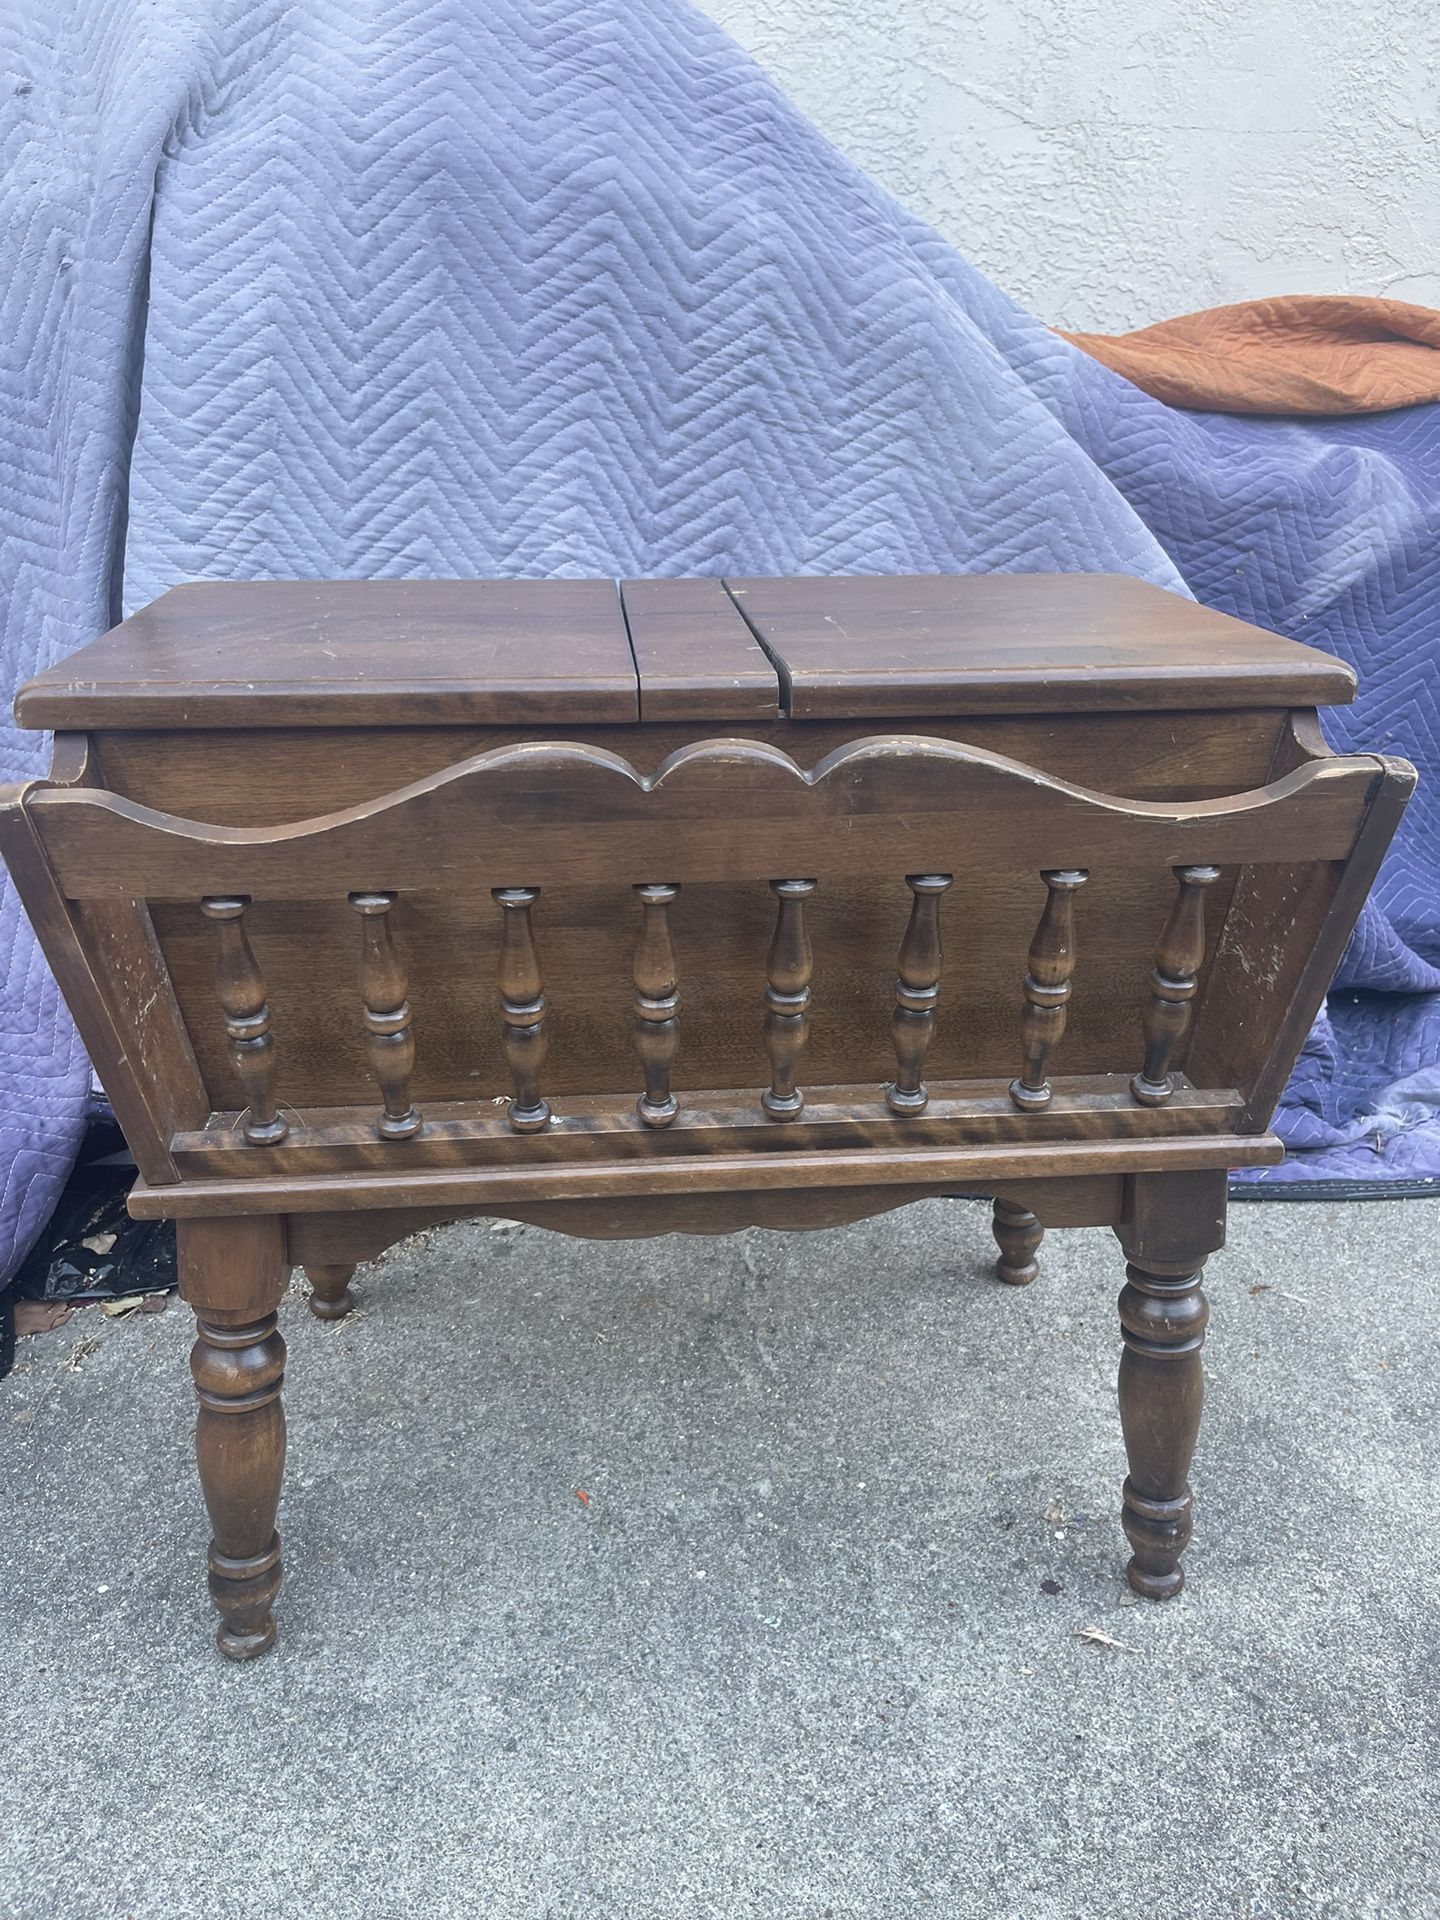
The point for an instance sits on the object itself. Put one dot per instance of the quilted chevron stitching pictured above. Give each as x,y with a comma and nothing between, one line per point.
563,288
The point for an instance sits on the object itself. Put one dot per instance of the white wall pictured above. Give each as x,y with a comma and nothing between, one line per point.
1112,162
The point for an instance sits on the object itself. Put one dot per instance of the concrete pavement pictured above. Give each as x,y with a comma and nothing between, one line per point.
810,1647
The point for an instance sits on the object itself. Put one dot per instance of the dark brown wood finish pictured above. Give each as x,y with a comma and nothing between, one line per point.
387,1016
1020,643
270,776
695,657
1166,1018
539,784
1171,1224
1018,1234
604,1127
657,1005
1088,1201
917,991
209,1191
712,813
1047,988
331,1298
788,969
232,1273
106,960
323,653
450,943
1289,926
241,988
522,1007
330,653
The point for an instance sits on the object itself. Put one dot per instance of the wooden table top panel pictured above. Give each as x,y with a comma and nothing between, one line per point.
695,656
352,652
498,653
866,647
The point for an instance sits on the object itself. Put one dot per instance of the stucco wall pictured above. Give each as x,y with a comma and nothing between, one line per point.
1111,162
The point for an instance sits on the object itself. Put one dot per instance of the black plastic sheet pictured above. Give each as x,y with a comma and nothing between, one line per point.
91,1249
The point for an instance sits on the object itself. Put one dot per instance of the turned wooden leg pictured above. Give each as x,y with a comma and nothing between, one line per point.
1162,1319
332,1298
1018,1235
1174,1221
232,1272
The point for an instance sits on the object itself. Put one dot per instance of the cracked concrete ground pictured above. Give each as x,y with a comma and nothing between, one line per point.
811,1648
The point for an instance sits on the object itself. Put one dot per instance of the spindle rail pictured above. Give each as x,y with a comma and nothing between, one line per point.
76,826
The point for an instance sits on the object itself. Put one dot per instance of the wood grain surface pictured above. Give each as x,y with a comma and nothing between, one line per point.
1018,643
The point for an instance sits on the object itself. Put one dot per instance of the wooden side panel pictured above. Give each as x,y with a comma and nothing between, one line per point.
724,810
268,777
349,1237
1283,939
108,965
125,952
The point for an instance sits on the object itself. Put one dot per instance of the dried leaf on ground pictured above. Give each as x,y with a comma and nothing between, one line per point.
40,1316
1097,1637
122,1309
582,1496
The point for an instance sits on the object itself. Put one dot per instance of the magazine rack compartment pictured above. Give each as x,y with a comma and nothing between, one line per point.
927,825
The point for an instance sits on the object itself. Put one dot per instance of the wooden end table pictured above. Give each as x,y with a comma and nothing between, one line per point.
380,904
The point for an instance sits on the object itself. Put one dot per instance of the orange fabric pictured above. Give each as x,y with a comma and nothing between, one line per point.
1299,353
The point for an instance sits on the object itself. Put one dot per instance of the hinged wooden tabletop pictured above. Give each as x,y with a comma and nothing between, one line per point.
337,653
558,653
262,653
695,656
867,648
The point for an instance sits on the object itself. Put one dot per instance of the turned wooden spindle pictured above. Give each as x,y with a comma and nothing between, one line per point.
657,1005
387,1016
1018,1235
1172,984
241,988
522,1007
1162,1386
917,988
788,968
1047,988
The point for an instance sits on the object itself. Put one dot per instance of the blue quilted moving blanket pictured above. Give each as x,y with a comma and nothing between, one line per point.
344,287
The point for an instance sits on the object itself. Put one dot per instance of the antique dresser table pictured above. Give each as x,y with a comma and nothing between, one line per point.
619,911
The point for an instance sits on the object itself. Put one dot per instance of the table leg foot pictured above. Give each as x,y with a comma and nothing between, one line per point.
331,1298
1018,1235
